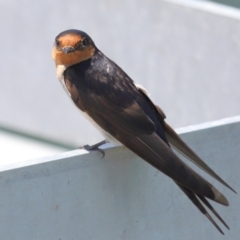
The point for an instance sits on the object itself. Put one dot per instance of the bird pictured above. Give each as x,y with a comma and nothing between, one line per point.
123,112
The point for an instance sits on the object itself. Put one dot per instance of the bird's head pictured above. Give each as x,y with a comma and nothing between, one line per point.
72,47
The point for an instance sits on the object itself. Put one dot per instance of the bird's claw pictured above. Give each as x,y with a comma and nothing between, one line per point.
94,148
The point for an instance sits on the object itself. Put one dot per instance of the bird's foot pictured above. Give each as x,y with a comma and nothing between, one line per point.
95,147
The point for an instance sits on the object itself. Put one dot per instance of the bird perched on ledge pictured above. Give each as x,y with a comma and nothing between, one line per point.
124,113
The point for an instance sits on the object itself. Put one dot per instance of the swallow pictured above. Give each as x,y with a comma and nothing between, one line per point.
124,113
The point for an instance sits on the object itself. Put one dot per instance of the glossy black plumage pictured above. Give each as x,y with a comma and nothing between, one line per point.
109,96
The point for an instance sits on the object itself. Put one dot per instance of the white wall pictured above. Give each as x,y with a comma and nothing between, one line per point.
186,53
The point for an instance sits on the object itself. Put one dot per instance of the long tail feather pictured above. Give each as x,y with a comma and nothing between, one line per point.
204,200
198,204
153,150
182,147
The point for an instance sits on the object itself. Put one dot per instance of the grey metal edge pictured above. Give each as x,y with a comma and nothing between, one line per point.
79,195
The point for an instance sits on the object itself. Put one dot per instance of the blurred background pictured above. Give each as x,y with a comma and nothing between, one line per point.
185,52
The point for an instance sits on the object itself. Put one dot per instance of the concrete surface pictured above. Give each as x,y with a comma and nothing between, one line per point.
79,196
186,53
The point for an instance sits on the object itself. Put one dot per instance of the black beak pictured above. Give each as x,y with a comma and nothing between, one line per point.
68,50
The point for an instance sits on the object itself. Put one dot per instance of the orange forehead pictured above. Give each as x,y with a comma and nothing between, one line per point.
70,59
69,39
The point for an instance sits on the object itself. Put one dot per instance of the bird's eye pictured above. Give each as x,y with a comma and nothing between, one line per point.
78,45
57,43
84,42
81,44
